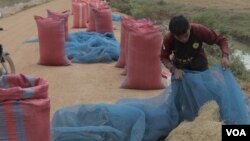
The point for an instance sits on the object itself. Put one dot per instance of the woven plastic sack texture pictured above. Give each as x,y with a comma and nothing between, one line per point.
80,16
61,15
51,36
24,108
143,62
103,20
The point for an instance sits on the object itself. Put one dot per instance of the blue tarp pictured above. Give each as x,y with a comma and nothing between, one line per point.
92,47
152,119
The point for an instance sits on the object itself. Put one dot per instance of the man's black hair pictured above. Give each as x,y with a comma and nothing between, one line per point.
178,25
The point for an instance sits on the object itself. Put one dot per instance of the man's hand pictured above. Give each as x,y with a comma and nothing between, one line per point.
225,62
178,74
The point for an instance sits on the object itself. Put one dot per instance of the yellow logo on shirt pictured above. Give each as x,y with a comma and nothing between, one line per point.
195,45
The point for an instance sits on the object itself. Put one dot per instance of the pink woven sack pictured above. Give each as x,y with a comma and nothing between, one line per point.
24,109
51,41
103,20
143,62
125,22
80,17
72,5
61,15
94,4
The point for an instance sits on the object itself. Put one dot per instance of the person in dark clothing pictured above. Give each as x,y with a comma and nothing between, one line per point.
185,42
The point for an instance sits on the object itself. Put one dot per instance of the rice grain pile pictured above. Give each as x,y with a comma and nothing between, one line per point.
206,127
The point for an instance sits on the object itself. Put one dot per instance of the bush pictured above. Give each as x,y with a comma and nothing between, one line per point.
213,54
153,10
122,5
207,19
239,69
236,65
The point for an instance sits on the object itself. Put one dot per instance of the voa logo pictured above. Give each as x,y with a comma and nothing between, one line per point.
236,132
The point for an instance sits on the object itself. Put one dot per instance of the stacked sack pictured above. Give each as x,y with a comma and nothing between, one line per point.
126,24
141,42
52,34
95,15
24,108
100,17
124,41
80,13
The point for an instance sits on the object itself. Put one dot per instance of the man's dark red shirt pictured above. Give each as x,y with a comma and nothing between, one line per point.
191,55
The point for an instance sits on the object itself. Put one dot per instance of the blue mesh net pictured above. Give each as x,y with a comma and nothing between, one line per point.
92,47
214,84
152,119
116,18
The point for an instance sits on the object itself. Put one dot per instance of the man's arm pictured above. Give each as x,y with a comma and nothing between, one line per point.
166,51
210,37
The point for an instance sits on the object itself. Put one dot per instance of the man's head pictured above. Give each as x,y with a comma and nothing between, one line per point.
180,28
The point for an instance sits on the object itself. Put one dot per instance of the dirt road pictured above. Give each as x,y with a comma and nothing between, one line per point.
75,84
